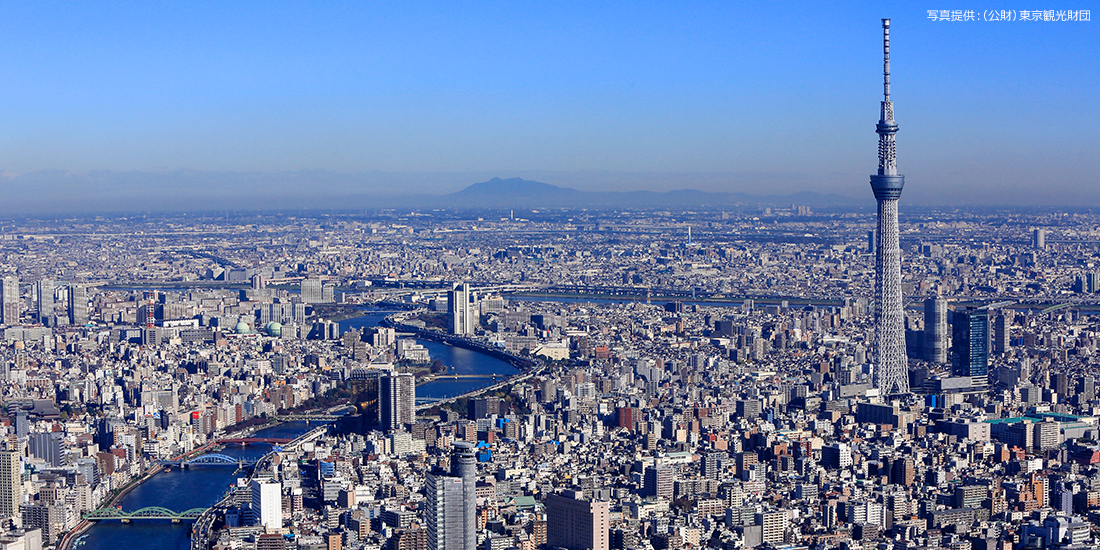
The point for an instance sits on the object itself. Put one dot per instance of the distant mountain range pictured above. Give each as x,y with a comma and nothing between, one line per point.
106,191
521,193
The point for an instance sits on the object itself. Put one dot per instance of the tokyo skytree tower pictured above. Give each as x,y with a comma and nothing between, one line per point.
891,369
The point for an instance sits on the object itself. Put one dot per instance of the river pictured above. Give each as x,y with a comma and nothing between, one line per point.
179,490
458,361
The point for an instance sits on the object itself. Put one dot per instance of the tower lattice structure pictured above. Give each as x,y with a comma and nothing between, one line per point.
891,369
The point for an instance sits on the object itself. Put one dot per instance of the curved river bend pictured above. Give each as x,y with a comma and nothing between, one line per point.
202,487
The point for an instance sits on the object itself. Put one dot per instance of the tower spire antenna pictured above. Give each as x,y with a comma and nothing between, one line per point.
886,59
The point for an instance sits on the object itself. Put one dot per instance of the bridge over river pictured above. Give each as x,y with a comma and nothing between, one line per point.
150,512
210,459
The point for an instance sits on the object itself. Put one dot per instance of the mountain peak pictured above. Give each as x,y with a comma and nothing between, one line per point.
514,187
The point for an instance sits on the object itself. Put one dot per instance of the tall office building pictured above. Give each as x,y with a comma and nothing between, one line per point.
49,447
9,300
891,374
458,302
658,481
482,407
267,503
312,291
450,510
11,483
78,305
577,524
935,330
397,400
45,302
970,342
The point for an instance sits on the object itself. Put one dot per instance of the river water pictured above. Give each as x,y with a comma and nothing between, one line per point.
179,490
458,360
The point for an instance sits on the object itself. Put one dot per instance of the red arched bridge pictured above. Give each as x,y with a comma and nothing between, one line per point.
248,440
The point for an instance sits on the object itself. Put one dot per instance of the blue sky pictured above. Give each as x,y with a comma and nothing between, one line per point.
761,97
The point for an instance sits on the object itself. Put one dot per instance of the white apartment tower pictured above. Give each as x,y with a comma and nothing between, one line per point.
267,503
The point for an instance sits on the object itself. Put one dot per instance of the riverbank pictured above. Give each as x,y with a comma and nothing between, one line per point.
519,362
175,489
70,537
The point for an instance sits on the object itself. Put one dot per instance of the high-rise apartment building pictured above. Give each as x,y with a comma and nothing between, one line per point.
935,330
458,303
267,503
970,341
312,291
891,370
774,524
903,472
9,300
78,305
11,483
450,510
443,512
396,400
577,524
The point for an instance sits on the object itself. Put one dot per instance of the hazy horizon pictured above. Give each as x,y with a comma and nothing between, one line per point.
130,105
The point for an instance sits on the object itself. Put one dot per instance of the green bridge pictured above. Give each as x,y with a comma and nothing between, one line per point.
151,512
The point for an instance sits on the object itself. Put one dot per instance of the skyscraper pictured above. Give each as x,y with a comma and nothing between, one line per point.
11,483
9,300
443,512
891,374
45,302
397,399
78,305
464,466
935,330
1039,238
577,524
450,510
458,302
1002,326
970,341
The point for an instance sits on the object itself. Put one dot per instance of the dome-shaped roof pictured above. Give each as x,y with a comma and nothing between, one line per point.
242,328
273,329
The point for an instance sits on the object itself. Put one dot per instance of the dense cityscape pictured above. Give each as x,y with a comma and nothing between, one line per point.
666,380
